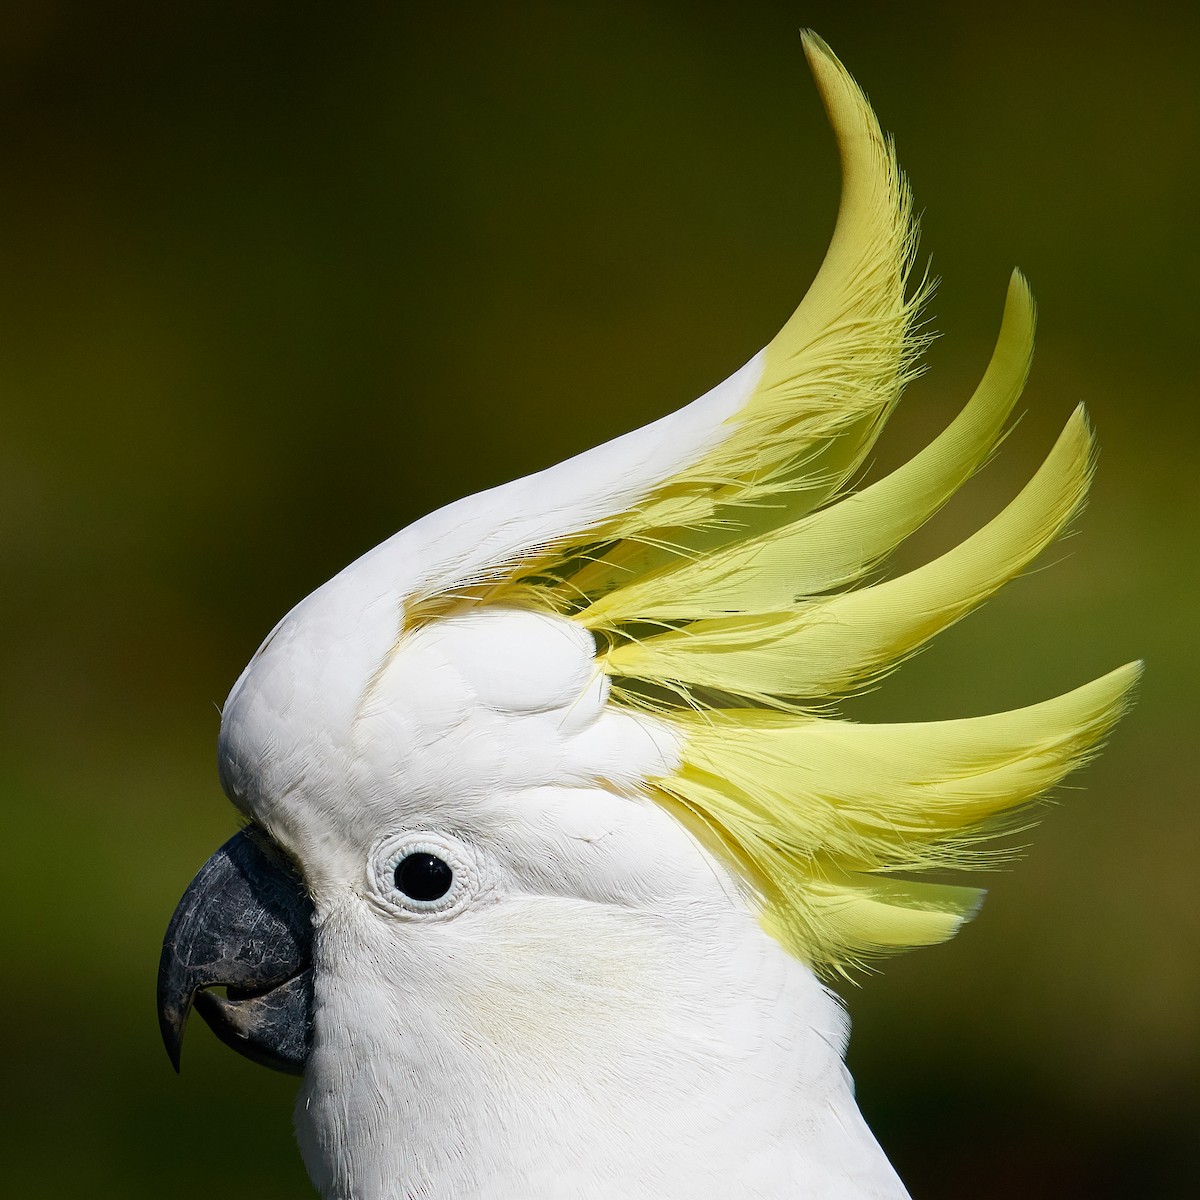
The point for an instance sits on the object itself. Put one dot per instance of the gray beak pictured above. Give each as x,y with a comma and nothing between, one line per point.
244,924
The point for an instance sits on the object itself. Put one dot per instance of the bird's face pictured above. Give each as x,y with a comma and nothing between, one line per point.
468,835
461,894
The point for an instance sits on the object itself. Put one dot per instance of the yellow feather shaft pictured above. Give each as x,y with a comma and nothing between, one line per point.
870,914
829,377
865,267
834,547
870,794
831,646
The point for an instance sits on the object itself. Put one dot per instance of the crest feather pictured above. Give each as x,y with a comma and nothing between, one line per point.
813,805
731,600
825,383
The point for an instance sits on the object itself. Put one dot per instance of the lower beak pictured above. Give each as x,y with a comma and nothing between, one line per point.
244,924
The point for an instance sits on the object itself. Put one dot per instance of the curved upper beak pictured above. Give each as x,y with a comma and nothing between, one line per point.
245,924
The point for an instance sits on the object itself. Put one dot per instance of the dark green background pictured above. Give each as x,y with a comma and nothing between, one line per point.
275,279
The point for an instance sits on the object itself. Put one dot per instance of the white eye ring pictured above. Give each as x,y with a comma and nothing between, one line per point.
468,876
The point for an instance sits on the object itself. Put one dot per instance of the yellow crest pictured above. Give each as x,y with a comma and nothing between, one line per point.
732,601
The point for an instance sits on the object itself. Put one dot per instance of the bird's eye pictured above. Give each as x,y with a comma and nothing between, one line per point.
424,877
427,874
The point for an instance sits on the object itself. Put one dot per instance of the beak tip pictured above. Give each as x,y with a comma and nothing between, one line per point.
170,1025
174,1052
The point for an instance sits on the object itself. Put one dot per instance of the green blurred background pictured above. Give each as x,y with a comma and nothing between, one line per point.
275,279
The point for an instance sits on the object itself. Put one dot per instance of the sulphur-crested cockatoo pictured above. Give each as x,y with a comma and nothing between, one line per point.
554,833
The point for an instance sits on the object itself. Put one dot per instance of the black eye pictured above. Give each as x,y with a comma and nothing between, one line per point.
423,877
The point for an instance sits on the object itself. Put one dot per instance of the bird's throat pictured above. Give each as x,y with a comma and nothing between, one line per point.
676,1093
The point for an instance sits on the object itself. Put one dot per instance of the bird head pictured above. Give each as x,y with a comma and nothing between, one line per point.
553,830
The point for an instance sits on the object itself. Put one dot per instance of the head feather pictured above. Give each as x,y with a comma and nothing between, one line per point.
722,563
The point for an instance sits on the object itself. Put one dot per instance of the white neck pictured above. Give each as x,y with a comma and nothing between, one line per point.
608,1074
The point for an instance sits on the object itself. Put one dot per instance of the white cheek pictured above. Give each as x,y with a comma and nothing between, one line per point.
610,849
559,986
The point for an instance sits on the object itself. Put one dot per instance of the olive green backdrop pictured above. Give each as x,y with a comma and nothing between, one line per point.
275,279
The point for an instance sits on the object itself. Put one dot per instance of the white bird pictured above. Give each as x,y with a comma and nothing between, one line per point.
555,833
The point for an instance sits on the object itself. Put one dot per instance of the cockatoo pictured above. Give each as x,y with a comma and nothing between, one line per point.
555,838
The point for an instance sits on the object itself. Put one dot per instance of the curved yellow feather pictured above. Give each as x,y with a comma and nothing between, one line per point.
868,794
834,645
828,379
815,805
837,545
